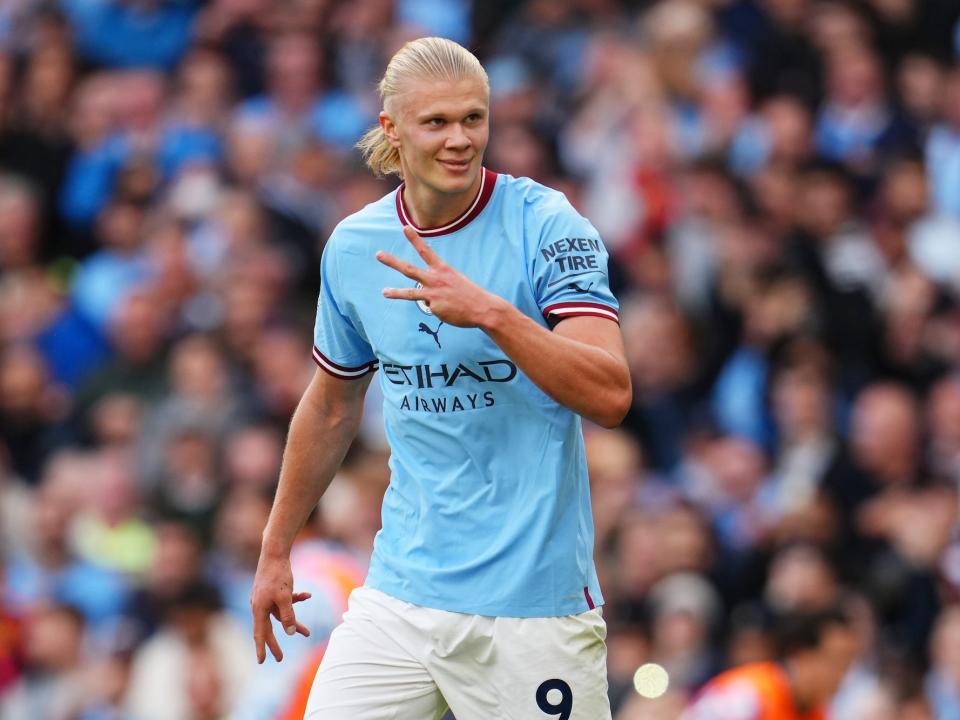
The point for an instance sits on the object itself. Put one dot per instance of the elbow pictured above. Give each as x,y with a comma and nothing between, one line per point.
611,416
616,405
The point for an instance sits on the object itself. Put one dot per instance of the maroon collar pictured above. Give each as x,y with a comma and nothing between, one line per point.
488,179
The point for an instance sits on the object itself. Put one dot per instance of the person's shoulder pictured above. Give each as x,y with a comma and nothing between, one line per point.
536,195
357,231
548,214
543,206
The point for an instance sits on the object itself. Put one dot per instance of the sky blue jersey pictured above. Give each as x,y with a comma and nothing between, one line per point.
488,508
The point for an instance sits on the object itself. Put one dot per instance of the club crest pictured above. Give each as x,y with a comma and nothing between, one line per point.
424,308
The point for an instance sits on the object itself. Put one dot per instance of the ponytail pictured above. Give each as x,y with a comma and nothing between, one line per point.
379,155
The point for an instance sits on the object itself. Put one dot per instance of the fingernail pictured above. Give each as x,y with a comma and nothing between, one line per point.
291,629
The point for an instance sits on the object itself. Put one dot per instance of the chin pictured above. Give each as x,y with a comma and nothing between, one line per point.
456,183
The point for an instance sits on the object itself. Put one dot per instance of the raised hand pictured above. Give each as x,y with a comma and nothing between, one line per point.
273,595
450,294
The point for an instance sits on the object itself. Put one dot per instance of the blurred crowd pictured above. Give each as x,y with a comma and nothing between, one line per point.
778,183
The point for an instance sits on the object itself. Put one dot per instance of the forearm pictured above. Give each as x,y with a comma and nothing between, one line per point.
581,365
586,378
319,438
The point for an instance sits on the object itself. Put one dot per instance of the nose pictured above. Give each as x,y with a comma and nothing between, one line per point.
457,139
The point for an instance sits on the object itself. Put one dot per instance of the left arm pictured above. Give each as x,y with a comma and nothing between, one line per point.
581,364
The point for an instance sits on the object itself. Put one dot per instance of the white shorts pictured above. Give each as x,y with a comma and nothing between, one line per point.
391,660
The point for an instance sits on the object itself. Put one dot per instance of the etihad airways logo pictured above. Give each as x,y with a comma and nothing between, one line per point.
448,374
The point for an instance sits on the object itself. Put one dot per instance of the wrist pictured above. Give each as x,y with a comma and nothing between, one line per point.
273,547
494,314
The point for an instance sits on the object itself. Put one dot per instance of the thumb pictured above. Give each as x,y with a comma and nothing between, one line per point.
287,617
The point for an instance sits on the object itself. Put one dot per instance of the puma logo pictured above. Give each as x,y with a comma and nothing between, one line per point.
424,328
578,288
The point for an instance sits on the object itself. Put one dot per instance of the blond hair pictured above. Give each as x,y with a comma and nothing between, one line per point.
431,58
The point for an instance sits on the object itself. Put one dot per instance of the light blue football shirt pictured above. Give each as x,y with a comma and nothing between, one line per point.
488,508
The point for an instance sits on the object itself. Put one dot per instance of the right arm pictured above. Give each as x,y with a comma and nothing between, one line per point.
323,426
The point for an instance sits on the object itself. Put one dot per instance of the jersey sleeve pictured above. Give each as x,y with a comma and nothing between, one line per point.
339,347
569,267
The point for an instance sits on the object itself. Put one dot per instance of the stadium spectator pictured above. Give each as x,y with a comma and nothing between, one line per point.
777,181
48,570
195,664
816,649
52,685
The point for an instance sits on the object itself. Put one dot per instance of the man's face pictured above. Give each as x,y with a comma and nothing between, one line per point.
838,649
440,128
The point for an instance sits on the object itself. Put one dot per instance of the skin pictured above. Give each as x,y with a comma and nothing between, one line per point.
817,673
440,129
330,409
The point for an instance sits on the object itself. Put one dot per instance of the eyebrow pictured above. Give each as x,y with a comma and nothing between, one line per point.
427,114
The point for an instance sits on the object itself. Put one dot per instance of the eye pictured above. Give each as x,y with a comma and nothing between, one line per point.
473,117
435,122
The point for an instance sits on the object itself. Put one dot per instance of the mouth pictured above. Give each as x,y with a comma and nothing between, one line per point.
456,166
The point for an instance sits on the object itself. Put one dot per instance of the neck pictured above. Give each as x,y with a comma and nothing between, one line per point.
797,679
429,208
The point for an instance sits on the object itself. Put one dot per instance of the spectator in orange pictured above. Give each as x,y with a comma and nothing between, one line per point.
816,650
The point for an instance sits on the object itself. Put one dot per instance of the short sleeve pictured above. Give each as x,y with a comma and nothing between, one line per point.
569,267
338,347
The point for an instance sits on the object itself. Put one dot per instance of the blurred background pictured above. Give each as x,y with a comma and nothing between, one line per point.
778,183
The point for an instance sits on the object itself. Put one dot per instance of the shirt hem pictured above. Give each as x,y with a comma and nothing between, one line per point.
575,607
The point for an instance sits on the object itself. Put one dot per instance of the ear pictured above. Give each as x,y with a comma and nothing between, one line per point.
389,129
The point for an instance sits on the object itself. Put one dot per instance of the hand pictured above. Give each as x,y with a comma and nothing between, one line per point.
273,595
450,294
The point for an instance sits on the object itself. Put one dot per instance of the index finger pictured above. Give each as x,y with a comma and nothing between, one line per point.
401,266
423,250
